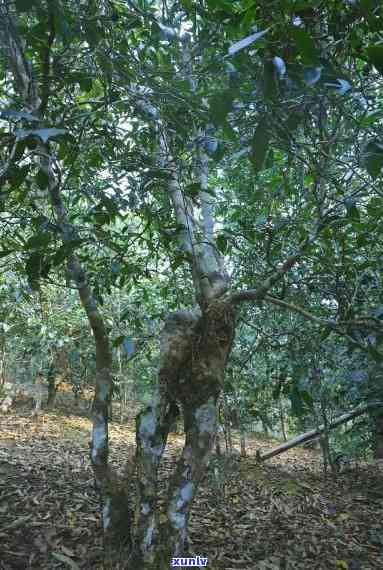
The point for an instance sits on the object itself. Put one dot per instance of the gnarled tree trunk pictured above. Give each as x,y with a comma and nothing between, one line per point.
195,348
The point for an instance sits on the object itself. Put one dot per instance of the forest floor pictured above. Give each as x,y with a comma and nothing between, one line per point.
279,515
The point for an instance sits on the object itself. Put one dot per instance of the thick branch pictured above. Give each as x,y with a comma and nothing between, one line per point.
259,293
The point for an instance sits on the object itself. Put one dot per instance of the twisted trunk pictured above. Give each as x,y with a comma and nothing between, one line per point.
194,349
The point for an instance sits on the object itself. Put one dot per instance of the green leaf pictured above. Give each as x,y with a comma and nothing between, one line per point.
24,5
297,404
118,341
193,189
65,250
219,153
102,218
370,118
38,241
375,55
18,175
326,332
293,121
307,398
42,179
305,44
20,148
187,5
178,261
352,210
222,243
372,158
376,354
220,106
33,268
93,34
64,30
85,83
269,80
260,145
5,252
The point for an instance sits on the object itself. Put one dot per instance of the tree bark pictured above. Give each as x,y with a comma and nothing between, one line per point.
242,439
194,351
52,387
200,429
282,419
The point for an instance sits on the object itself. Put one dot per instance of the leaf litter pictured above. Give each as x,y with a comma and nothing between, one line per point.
281,514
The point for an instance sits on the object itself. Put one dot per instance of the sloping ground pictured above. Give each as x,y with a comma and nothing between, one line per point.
281,515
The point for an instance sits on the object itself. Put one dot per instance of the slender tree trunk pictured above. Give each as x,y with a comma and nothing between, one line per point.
52,388
52,393
378,451
218,448
227,427
2,359
242,439
242,432
282,419
265,426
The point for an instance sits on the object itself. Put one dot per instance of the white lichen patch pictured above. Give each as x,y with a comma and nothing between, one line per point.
188,452
205,416
106,514
148,538
145,508
187,491
99,437
185,495
104,389
177,519
147,424
157,450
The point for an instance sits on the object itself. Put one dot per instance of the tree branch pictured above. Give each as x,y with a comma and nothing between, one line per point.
260,293
327,323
